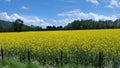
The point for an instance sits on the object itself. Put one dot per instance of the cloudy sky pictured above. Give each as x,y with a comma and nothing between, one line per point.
58,12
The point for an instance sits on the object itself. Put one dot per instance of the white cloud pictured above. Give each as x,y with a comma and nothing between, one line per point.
8,0
78,15
93,1
28,20
4,16
24,8
70,13
114,3
66,17
62,22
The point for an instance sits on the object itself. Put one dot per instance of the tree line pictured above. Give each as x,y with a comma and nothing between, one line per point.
91,24
18,26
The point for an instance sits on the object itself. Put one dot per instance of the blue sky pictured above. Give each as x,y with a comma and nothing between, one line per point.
58,12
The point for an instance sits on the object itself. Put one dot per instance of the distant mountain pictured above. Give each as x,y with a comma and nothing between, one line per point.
5,24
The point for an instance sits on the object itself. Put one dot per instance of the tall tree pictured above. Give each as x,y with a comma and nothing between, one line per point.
17,25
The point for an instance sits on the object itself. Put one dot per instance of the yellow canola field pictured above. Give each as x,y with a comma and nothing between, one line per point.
52,42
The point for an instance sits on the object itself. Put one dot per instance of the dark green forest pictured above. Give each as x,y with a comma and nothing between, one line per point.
18,25
91,24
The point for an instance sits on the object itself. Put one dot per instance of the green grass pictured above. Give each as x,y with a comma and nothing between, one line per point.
16,64
35,64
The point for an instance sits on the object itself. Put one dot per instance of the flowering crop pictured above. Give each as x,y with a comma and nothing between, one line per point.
78,46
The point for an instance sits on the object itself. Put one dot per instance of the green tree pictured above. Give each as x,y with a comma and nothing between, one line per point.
37,28
17,25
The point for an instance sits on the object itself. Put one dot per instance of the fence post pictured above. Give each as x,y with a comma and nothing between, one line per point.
61,58
101,60
2,54
29,56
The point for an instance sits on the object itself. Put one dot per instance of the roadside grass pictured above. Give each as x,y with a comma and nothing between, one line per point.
34,64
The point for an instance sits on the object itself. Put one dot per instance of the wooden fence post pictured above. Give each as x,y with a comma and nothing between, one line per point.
2,54
101,60
61,58
100,56
29,56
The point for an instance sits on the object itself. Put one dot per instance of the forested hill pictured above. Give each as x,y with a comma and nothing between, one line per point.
19,25
91,24
5,24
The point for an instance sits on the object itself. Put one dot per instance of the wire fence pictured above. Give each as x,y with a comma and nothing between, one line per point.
29,57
